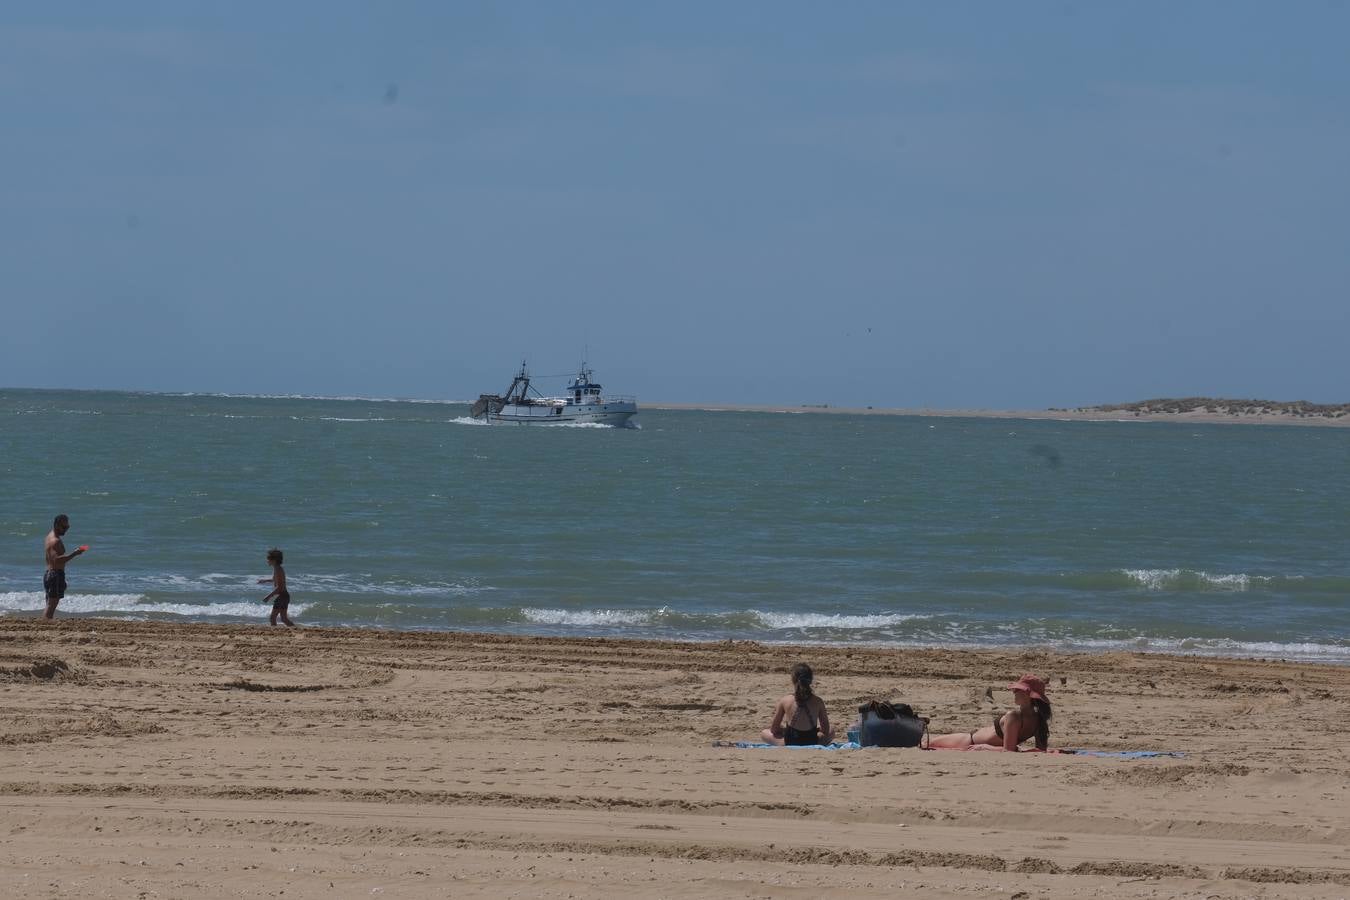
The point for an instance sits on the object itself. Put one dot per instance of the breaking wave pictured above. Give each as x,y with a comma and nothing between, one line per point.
714,622
1189,580
136,606
602,617
790,621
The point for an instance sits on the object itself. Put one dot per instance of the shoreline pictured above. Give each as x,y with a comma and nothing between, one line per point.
1342,658
12,626
1051,415
215,760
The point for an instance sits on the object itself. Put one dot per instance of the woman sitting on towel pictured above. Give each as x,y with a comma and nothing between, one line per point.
799,719
1029,718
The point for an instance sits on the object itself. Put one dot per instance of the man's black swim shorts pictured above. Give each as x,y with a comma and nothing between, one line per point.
54,583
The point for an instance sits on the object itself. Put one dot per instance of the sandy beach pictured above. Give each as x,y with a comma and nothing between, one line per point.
160,760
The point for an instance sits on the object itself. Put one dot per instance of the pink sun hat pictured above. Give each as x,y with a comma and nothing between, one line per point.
1031,684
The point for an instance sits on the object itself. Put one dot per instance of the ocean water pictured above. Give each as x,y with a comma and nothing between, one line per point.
883,530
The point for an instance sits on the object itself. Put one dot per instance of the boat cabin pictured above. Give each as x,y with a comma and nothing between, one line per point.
582,389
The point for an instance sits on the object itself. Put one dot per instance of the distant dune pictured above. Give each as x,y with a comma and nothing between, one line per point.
1296,409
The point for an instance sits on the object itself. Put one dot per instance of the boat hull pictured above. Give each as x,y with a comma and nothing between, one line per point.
616,414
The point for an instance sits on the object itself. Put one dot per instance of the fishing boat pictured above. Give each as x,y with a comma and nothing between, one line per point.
584,402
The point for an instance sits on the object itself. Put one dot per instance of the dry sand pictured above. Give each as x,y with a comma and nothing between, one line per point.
151,760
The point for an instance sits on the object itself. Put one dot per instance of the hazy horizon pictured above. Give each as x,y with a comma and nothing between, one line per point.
660,402
766,204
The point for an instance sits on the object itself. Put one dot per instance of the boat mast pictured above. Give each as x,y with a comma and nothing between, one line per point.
523,380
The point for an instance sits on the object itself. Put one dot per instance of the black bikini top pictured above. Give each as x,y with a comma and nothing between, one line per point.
998,726
802,707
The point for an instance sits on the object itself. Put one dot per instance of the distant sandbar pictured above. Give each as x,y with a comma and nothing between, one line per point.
1124,413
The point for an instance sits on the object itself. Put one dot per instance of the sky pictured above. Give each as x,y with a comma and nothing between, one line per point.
961,205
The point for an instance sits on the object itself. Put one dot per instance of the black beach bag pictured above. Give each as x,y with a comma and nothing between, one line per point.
890,725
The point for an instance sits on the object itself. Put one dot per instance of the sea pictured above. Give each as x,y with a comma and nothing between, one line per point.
818,528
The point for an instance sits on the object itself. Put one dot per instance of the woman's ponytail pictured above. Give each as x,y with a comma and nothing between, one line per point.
802,676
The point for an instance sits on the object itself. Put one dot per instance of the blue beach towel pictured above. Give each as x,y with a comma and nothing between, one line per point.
1127,754
853,745
759,745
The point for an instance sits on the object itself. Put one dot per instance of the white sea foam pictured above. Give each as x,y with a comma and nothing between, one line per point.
1165,579
135,605
586,617
1153,579
786,621
1238,582
23,601
239,609
1304,652
1225,647
340,419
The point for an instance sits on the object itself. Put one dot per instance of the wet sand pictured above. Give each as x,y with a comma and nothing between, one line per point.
144,760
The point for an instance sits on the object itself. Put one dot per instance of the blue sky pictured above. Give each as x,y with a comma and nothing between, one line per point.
890,204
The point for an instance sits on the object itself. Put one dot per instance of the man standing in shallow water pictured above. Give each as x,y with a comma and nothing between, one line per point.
54,581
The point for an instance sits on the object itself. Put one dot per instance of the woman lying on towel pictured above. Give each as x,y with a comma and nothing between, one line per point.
799,719
1029,718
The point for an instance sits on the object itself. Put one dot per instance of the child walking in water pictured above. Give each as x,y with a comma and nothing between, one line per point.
280,597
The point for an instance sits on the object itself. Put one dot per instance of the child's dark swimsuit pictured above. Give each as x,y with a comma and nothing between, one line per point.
801,737
282,601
